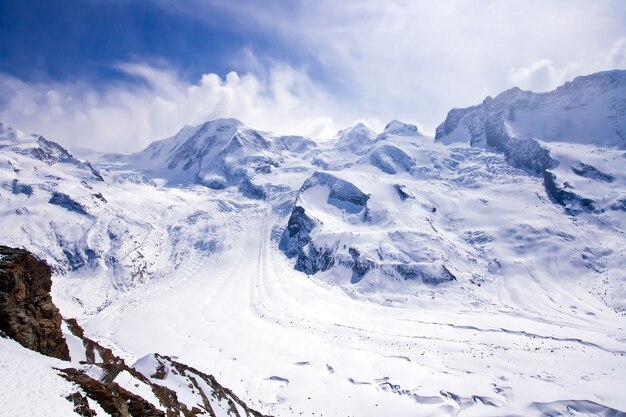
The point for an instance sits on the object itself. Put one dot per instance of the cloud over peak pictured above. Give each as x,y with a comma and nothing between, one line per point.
126,117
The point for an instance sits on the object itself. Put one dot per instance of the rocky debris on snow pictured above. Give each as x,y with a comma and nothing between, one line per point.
573,203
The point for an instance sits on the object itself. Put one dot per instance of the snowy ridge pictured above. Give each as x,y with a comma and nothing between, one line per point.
533,129
216,154
356,139
588,110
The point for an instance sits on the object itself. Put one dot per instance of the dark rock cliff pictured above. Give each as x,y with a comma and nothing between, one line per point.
27,313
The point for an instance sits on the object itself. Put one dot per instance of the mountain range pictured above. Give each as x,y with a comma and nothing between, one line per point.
481,272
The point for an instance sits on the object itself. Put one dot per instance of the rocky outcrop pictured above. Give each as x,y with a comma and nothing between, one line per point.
340,191
27,313
589,110
150,388
211,398
113,399
402,192
573,203
199,395
589,171
65,201
17,188
317,248
51,153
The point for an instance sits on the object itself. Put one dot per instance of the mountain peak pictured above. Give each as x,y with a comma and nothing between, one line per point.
356,139
586,110
398,128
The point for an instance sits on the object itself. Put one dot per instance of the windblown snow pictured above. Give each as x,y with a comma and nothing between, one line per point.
478,273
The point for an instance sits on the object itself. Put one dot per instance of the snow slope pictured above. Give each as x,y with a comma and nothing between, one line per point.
389,274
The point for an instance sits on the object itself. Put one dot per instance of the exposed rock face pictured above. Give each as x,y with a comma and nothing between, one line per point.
402,192
27,313
212,398
197,393
589,110
17,188
65,201
589,171
319,248
297,233
51,153
573,202
113,399
488,126
340,190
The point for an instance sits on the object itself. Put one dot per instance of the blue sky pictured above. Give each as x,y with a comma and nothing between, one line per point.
68,39
114,75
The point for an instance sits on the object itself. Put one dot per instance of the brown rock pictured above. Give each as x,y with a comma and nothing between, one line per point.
27,313
114,399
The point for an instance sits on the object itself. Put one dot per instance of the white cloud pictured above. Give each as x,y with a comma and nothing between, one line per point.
538,76
126,118
617,57
368,59
542,75
414,60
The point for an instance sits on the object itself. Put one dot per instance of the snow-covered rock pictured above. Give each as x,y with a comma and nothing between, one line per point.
216,154
86,374
327,230
356,139
398,128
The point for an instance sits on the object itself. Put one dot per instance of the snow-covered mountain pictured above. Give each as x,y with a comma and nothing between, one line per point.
589,110
480,272
565,135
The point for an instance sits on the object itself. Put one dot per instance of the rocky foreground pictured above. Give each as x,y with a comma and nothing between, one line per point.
155,386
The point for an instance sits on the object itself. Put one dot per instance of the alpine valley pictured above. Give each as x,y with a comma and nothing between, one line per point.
481,272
